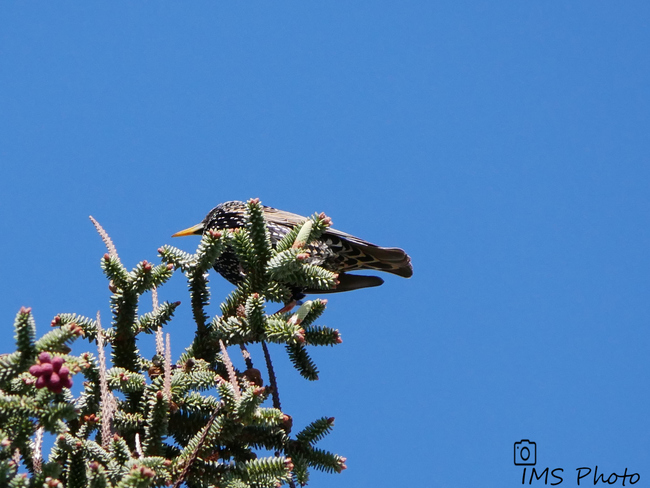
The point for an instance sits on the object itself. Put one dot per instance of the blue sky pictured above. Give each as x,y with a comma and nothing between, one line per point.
504,145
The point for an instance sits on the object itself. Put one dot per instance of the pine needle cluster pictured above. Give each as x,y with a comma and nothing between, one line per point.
196,422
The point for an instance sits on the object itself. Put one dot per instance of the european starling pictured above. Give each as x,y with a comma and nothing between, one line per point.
335,251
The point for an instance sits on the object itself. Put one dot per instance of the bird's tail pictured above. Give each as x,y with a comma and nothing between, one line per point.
348,282
359,256
390,259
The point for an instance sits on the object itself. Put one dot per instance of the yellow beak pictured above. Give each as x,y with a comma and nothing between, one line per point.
195,230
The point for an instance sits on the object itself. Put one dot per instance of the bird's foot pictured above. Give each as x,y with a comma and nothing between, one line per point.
288,307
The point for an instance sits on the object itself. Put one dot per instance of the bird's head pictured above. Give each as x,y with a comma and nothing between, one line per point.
228,215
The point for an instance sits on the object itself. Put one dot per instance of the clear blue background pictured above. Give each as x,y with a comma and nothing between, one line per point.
504,145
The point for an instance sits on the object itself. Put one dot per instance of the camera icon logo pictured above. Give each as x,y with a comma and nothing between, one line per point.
525,453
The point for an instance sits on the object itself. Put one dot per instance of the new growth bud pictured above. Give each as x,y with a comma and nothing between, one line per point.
287,422
75,329
338,337
53,483
300,336
326,220
147,472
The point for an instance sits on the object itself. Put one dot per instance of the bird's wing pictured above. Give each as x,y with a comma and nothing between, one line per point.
283,218
391,259
291,219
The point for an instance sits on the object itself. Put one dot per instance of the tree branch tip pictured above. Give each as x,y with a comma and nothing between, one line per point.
105,237
300,336
325,219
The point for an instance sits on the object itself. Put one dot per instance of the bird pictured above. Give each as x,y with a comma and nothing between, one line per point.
334,250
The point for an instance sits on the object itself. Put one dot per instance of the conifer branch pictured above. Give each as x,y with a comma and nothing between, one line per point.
231,370
37,454
108,404
156,319
160,349
105,237
274,382
25,336
160,344
154,298
87,325
260,239
167,385
189,460
247,356
302,361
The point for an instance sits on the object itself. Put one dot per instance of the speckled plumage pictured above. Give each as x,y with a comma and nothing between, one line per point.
335,250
